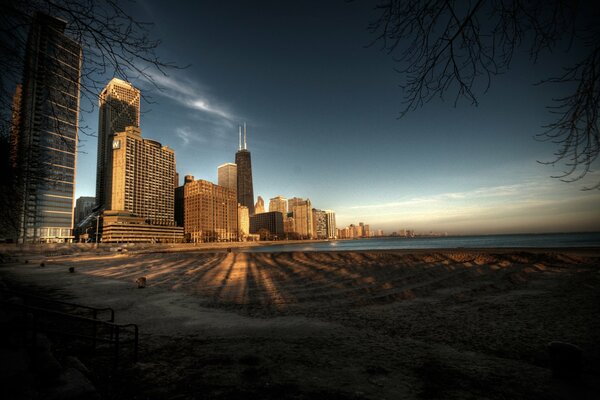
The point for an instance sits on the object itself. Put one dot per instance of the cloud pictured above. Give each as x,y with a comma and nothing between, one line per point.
190,94
187,136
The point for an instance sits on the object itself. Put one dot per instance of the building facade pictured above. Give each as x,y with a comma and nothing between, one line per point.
319,224
227,176
210,212
259,207
45,152
83,207
331,225
142,177
119,107
243,222
245,190
303,217
278,203
269,225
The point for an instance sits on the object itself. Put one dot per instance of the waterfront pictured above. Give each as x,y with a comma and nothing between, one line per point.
549,240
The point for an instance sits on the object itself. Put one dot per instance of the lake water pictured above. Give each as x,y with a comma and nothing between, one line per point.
454,242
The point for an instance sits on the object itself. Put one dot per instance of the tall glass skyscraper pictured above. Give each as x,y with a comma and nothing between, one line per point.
48,127
119,107
245,192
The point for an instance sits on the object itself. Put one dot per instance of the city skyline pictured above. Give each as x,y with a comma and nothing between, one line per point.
322,114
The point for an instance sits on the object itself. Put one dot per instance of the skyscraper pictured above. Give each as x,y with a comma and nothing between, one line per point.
47,132
303,217
227,176
331,225
259,208
278,203
245,192
142,180
211,212
119,107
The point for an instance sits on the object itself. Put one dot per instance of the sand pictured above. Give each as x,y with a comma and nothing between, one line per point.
373,325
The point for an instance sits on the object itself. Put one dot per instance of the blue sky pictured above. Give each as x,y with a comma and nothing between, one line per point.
322,108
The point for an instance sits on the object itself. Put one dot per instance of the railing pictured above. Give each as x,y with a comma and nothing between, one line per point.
95,311
95,331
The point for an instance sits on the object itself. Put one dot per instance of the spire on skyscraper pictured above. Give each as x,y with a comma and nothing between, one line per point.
240,147
245,147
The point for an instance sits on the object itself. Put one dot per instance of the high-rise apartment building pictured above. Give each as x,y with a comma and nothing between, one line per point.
259,207
303,217
319,224
119,107
210,212
227,176
331,225
142,179
278,203
45,150
243,222
245,191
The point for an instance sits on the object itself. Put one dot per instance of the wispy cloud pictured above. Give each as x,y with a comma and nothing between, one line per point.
190,94
480,193
188,135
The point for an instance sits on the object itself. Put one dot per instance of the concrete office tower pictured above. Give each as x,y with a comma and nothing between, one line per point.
46,146
119,107
245,192
243,222
303,217
210,212
259,208
142,177
227,176
331,225
15,123
278,203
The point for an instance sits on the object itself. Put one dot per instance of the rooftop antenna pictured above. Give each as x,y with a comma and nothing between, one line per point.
245,148
240,136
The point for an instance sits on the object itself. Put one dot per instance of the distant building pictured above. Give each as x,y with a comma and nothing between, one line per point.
259,207
278,203
119,108
15,124
45,142
319,224
289,227
243,222
227,176
269,225
303,217
245,191
211,212
83,208
331,225
179,203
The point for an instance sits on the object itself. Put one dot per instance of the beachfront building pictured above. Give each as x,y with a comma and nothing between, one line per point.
227,176
119,108
243,222
319,224
245,191
44,133
330,224
278,203
303,217
268,225
211,212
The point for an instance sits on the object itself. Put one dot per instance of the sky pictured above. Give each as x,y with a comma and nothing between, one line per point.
322,109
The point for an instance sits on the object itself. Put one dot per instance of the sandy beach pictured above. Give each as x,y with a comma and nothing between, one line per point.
340,325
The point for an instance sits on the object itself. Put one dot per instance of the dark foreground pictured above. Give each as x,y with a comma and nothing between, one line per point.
346,325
